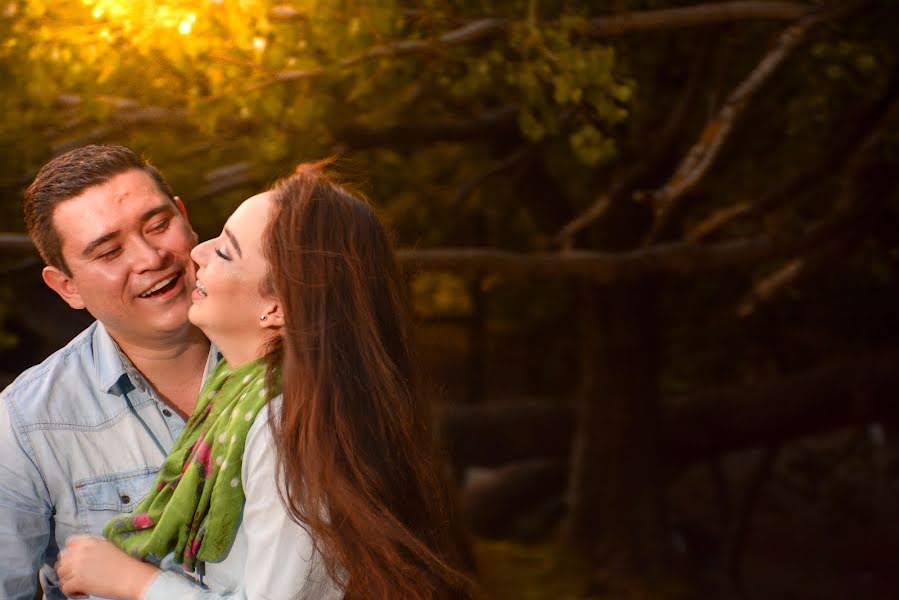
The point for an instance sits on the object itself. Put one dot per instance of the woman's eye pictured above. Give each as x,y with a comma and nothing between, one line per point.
222,254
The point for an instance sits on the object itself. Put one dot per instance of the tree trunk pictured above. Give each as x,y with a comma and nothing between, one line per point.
477,341
616,508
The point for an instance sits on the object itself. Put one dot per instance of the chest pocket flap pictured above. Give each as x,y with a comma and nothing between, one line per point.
119,492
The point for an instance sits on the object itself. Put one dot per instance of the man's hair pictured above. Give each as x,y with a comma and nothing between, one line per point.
70,175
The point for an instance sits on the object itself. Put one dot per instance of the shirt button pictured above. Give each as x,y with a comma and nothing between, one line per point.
125,498
166,412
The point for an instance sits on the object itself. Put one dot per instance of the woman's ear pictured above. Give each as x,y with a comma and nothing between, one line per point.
272,317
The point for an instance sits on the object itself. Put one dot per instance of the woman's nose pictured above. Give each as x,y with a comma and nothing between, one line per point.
200,252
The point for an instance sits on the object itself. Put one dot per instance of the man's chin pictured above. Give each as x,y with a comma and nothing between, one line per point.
171,321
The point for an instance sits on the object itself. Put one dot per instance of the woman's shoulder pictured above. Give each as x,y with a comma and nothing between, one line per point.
262,423
259,447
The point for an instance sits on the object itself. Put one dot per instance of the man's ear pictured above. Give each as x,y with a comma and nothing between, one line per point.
183,211
180,205
274,316
63,285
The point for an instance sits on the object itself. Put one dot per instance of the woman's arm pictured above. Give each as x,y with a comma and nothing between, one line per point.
92,565
281,559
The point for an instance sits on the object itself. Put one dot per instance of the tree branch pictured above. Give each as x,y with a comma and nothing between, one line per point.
694,16
227,181
674,259
846,207
120,120
702,154
848,145
488,29
500,122
518,156
835,393
630,178
16,244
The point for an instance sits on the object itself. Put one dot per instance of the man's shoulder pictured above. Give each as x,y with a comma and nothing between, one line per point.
35,385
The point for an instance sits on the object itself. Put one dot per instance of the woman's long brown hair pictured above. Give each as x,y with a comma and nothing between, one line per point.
358,464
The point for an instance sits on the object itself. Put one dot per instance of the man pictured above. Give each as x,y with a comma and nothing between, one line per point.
83,433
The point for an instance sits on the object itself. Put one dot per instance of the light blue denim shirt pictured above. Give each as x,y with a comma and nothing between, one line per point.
81,437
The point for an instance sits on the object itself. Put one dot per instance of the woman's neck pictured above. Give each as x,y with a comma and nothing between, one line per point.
239,352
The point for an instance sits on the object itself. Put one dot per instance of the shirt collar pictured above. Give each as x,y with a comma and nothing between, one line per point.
115,372
112,364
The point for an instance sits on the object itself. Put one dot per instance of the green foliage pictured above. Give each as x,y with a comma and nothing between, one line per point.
197,86
568,84
440,294
83,64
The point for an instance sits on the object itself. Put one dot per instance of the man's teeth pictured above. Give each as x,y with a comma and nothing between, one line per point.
159,286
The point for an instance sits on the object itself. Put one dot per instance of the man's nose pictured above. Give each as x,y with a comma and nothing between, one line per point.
148,257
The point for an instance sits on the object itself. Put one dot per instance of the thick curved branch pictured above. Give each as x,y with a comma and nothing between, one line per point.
846,207
119,120
694,16
674,260
488,29
848,145
126,112
620,188
703,153
226,182
840,393
498,123
837,393
787,275
16,244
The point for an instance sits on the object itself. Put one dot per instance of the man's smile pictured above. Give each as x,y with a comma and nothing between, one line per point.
163,286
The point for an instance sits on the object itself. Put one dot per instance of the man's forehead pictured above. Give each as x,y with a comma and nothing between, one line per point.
116,191
107,207
130,183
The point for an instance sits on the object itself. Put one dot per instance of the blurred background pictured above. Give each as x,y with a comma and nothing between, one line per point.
652,248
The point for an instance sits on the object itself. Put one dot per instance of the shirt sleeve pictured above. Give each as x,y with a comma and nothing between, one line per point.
25,513
282,562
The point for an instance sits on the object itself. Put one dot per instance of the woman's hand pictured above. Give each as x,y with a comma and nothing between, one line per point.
94,566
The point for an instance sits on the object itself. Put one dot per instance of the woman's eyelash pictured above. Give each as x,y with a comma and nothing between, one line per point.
222,254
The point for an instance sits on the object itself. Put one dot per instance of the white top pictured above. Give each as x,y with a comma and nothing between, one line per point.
272,556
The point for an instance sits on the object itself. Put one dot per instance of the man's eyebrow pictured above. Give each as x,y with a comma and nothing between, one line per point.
233,242
88,250
155,211
113,234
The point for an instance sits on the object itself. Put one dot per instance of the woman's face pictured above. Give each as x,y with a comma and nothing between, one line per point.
227,302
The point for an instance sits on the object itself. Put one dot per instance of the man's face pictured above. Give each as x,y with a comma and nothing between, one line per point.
128,249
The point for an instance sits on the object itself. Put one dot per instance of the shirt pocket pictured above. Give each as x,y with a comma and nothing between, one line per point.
101,498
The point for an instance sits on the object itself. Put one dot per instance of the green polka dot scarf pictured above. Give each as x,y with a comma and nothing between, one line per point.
195,505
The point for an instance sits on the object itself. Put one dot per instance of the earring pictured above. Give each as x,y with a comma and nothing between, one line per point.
263,317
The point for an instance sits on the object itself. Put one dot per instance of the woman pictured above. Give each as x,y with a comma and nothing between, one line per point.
345,495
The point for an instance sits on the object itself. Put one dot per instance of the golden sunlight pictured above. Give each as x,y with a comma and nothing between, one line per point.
127,13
